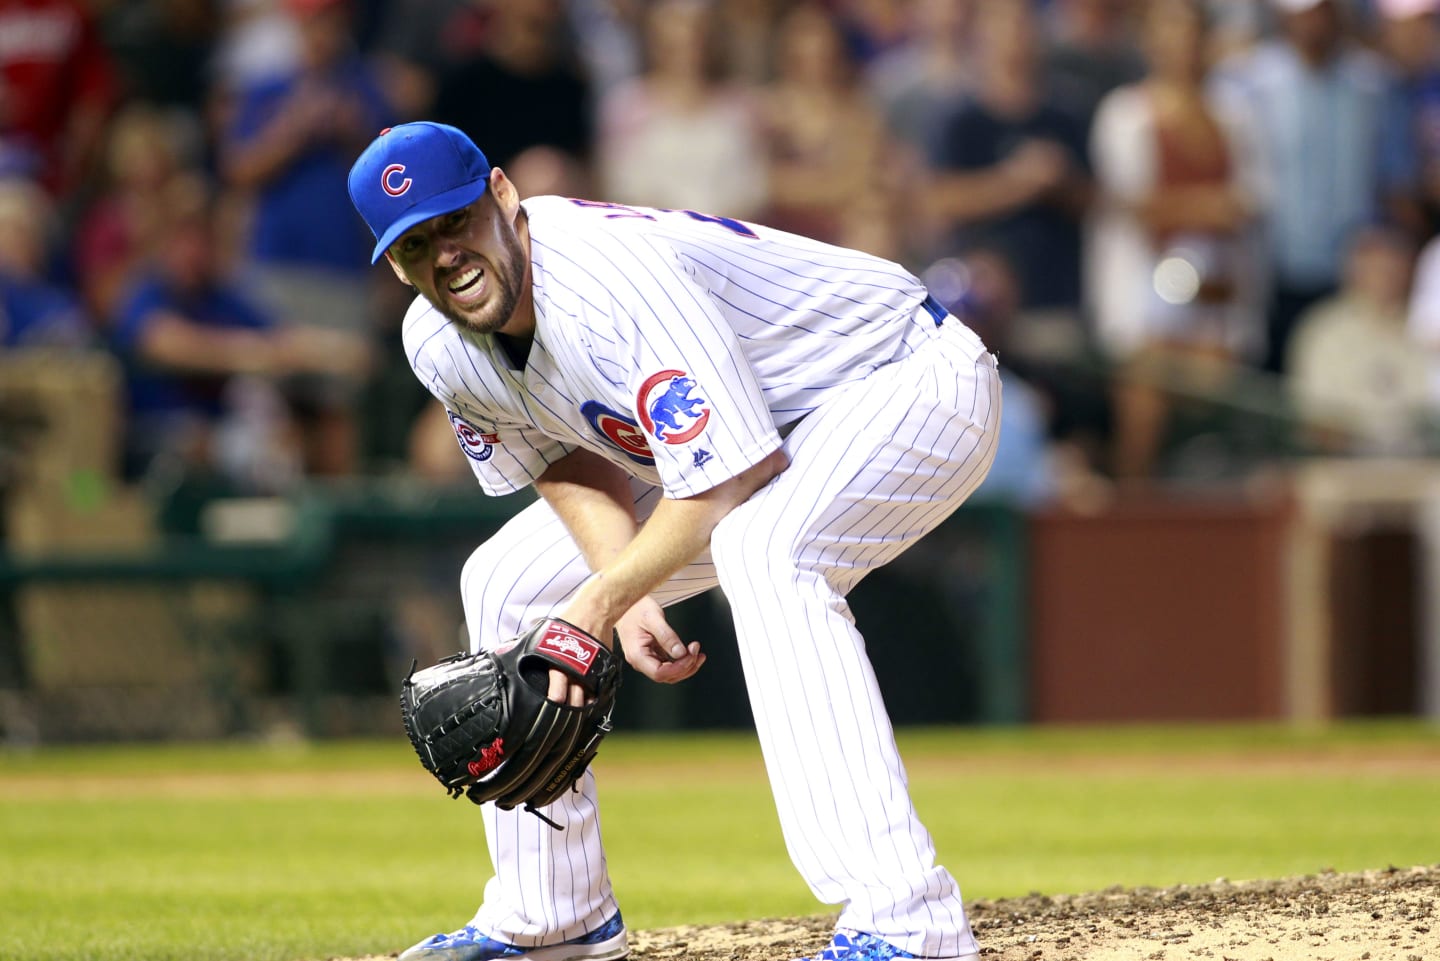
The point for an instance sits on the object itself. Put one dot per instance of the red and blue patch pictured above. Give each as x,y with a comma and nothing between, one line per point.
619,431
670,408
477,445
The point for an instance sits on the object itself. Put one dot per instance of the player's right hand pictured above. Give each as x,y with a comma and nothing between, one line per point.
653,648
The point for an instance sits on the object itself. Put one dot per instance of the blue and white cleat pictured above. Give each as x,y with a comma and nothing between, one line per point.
849,945
606,943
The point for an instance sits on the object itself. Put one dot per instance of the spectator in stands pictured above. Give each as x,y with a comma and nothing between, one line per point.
1423,314
524,96
258,43
679,136
1093,48
869,29
747,32
56,89
824,140
119,232
419,41
163,51
1332,133
34,312
1236,26
1172,249
1010,172
204,360
1356,377
1410,32
608,40
289,145
921,80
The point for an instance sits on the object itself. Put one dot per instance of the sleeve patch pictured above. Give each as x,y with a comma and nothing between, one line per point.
476,444
671,408
619,431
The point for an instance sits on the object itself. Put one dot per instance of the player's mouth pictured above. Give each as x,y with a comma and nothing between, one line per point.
468,286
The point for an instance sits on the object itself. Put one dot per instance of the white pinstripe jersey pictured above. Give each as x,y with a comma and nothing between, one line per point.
672,343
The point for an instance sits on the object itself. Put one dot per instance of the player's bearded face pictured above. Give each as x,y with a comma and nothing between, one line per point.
469,264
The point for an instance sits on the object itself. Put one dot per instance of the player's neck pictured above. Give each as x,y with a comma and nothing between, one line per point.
519,333
517,349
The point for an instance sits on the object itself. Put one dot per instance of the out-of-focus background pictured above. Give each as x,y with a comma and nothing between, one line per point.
1198,234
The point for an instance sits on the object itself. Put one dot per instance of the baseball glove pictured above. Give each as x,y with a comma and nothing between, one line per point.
483,725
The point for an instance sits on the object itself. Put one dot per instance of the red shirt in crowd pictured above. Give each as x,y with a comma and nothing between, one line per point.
55,82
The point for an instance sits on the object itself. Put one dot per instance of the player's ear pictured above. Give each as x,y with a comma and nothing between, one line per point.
398,272
504,192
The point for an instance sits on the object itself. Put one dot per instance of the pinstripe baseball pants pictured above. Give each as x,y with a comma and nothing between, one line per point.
871,471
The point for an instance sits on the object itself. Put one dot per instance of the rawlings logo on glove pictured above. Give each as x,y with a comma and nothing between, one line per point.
570,644
489,759
483,725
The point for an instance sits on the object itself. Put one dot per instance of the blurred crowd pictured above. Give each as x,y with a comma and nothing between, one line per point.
1140,204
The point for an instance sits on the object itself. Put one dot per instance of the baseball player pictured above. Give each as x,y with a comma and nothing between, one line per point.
698,401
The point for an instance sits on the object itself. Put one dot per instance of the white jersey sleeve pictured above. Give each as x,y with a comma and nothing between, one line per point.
506,454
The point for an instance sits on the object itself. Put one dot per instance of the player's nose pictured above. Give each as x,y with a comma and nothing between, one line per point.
447,253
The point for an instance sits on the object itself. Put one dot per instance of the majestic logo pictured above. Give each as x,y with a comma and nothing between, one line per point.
667,409
489,759
566,644
477,446
619,430
702,456
390,185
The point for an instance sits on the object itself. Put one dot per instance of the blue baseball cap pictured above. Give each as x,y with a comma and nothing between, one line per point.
413,172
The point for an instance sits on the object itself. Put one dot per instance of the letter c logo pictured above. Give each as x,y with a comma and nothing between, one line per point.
388,177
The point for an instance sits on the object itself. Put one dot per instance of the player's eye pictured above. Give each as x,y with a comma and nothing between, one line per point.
456,219
410,245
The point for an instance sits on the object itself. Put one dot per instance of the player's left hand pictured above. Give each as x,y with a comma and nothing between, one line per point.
653,648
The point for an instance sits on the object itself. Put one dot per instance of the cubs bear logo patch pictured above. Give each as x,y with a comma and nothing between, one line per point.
670,408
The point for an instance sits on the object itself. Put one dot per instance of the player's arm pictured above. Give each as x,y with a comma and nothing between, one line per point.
676,532
592,498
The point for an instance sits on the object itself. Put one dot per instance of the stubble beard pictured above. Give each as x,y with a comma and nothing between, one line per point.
505,277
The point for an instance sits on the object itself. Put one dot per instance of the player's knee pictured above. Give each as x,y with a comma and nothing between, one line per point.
488,596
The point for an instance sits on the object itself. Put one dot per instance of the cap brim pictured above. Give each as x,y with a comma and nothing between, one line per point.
442,203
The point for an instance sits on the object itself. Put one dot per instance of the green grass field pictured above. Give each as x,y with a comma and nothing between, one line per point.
290,852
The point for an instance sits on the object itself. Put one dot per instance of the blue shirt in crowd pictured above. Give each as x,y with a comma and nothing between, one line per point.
304,216
154,391
34,313
1040,240
1334,141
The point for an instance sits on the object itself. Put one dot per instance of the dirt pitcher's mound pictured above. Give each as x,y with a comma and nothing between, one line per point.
1375,916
